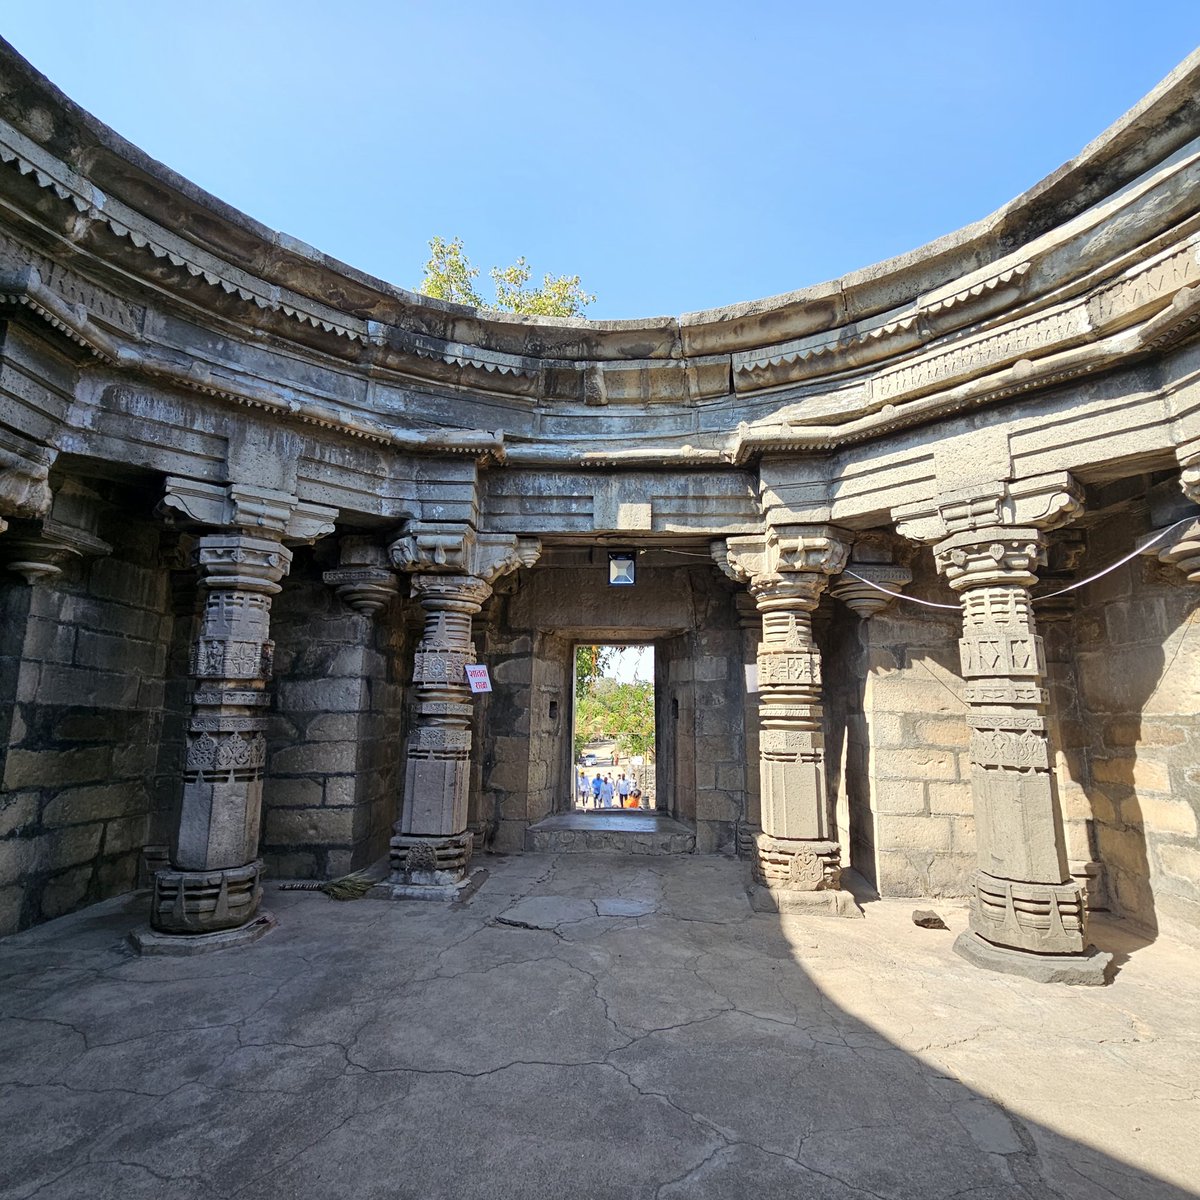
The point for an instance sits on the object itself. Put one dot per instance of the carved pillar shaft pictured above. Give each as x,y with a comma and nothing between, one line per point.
1023,897
791,738
213,882
795,863
432,843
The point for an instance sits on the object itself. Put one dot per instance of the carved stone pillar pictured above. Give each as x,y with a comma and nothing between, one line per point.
213,881
1028,915
454,569
796,865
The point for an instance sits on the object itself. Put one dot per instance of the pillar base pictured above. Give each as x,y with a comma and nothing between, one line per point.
432,868
195,902
184,945
829,902
1088,969
444,893
796,864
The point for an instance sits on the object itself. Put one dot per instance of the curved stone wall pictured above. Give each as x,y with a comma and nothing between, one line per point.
1009,395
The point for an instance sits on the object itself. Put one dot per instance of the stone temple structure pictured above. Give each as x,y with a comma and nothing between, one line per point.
259,510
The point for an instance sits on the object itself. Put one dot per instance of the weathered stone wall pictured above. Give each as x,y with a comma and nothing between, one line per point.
524,727
338,729
82,683
1137,646
912,773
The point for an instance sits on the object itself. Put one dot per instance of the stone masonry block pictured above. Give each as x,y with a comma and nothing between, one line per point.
1166,815
309,826
293,793
340,791
898,796
1143,774
332,727
56,768
1182,862
104,652
11,900
916,762
126,833
322,695
890,729
17,811
952,799
895,832
65,891
333,758
100,803
731,776
945,732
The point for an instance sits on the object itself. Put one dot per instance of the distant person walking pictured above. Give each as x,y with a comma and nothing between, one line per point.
624,787
597,788
606,792
581,788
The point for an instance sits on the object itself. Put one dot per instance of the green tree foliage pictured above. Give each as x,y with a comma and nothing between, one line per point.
618,712
591,662
449,275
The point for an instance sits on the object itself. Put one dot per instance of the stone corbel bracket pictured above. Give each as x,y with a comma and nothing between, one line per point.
267,511
1041,502
458,549
363,578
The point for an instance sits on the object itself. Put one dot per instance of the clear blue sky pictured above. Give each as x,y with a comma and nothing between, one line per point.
677,156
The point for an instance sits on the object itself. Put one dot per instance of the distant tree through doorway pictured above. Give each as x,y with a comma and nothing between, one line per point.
614,725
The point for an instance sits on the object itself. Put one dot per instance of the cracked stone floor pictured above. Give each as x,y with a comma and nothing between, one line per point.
588,1027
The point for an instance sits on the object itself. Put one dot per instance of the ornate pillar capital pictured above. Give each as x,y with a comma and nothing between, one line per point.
363,578
800,557
242,562
451,593
37,548
1182,550
268,512
455,548
1040,502
985,557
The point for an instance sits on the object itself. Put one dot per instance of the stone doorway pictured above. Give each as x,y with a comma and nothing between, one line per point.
685,609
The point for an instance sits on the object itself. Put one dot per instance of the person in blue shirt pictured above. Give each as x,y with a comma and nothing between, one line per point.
596,785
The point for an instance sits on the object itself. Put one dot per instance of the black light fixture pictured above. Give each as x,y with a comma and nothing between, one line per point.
621,568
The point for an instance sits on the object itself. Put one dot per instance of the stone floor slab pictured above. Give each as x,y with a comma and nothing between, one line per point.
589,1025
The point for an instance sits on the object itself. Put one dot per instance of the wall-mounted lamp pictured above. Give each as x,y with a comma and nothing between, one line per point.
621,568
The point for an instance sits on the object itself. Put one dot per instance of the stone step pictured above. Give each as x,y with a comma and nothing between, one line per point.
616,832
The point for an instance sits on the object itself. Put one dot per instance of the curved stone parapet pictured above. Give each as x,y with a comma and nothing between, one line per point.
160,282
